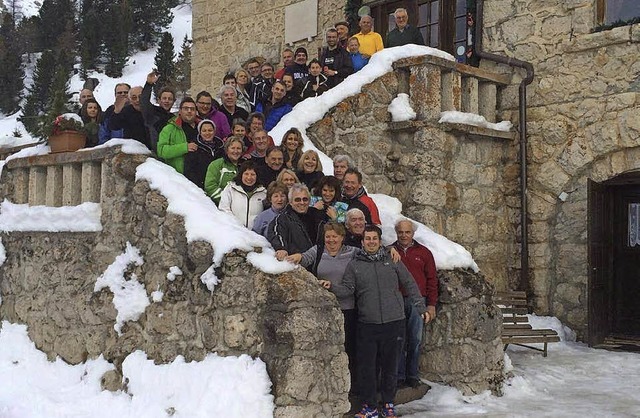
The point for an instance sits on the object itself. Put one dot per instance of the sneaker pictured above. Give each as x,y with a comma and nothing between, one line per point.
389,410
367,412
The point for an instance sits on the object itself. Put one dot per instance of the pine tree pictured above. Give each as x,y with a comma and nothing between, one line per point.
89,35
11,75
56,16
29,36
183,67
38,97
149,22
164,61
115,28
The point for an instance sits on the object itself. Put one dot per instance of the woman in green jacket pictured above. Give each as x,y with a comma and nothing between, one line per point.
224,169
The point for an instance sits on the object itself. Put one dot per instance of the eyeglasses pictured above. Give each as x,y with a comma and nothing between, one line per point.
205,103
188,108
122,92
300,199
253,68
134,96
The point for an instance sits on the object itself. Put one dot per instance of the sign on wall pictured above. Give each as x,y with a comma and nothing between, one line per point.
300,21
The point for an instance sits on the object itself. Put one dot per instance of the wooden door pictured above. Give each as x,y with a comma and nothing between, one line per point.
626,253
600,262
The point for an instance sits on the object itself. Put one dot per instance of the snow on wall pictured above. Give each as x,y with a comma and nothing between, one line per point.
22,217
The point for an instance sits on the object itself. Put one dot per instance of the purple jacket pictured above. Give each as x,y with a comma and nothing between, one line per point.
222,123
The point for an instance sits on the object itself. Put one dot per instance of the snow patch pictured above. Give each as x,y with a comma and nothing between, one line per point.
265,261
209,278
3,253
453,116
129,296
550,322
40,149
22,217
400,108
128,146
446,253
173,272
157,295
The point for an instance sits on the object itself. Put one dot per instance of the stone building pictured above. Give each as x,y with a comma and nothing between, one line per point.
580,253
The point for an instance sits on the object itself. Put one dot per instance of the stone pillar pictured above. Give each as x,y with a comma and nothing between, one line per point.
21,185
451,91
72,184
470,95
425,86
37,185
487,93
91,181
462,346
54,186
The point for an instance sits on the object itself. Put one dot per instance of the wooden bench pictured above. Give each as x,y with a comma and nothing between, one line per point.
515,324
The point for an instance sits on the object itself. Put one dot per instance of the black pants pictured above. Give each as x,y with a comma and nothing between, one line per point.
350,322
381,341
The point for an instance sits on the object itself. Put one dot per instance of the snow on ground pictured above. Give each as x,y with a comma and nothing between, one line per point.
216,386
573,381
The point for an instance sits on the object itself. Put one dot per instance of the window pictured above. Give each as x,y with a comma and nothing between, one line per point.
613,11
634,224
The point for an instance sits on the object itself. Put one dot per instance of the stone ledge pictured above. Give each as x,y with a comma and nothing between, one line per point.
471,130
615,36
465,70
7,151
63,158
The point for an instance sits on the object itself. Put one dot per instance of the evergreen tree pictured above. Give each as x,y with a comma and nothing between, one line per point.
165,66
116,25
56,16
149,21
28,31
38,97
183,67
89,35
351,13
11,76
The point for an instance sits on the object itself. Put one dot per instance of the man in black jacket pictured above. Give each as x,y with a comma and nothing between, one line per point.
335,62
156,117
295,229
403,33
128,117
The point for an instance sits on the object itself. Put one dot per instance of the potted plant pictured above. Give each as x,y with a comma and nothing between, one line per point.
67,133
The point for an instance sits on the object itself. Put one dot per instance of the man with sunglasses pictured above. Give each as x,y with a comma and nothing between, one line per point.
127,115
104,133
295,229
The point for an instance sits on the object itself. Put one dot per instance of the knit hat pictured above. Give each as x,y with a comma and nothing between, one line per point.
204,121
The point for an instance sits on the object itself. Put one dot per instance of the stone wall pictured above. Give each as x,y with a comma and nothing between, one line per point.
461,182
583,108
226,33
462,347
47,282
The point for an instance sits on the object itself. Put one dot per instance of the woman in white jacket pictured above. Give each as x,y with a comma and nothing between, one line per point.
243,196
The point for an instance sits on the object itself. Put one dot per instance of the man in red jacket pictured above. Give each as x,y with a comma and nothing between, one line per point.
420,263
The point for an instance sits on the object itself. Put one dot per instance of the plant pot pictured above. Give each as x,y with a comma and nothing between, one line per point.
67,141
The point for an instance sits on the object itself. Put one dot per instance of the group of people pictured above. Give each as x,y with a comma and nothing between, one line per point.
326,223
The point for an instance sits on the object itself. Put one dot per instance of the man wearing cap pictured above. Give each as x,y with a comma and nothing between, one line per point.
298,69
343,34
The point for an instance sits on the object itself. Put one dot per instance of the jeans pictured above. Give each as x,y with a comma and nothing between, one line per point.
410,353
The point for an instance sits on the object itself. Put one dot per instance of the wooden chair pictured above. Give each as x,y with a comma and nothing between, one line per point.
515,324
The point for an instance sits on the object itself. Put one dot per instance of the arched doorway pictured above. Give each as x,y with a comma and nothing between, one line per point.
614,261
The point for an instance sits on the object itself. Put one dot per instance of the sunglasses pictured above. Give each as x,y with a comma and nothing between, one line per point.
300,199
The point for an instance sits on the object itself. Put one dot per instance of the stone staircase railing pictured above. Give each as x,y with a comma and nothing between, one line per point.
66,179
436,85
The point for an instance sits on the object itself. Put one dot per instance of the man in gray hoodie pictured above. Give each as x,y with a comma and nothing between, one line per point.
375,280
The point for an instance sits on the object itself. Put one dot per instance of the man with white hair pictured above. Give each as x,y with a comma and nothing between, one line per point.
229,100
403,33
355,223
341,163
419,261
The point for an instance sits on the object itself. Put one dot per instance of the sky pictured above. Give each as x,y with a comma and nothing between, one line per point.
574,380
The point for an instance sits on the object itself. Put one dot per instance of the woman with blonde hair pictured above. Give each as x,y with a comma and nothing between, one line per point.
287,177
310,169
242,86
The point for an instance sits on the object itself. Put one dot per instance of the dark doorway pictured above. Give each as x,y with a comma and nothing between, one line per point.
614,259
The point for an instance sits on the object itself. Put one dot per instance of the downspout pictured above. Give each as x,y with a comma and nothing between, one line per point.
522,111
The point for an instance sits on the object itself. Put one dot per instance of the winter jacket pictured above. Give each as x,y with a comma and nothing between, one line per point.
363,202
131,122
332,268
219,173
309,179
320,81
358,60
104,132
172,144
245,206
340,207
266,174
273,112
155,117
294,232
338,60
375,285
420,263
238,113
410,35
220,119
196,163
262,221
298,71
